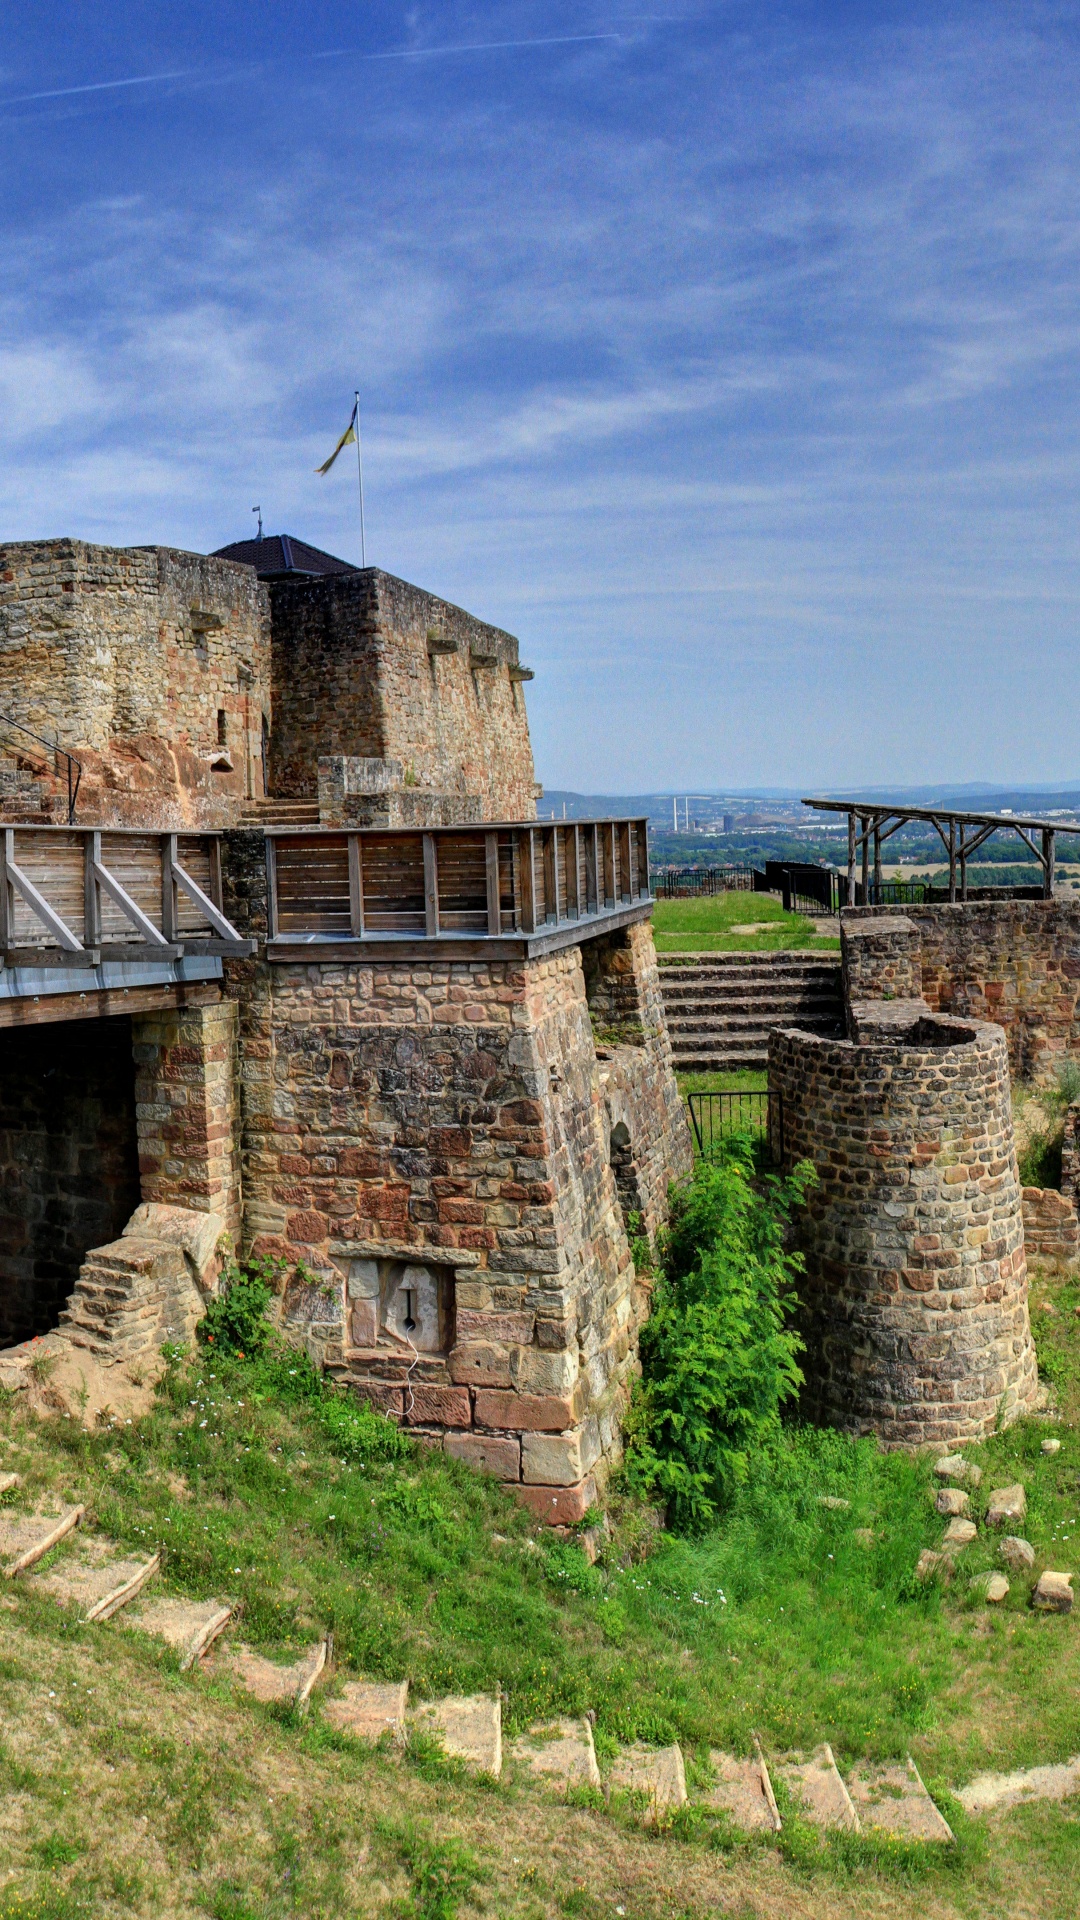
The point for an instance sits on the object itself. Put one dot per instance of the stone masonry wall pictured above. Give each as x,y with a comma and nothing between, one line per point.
1051,1227
69,1175
915,1291
369,667
1015,962
151,666
187,1108
648,1136
442,1120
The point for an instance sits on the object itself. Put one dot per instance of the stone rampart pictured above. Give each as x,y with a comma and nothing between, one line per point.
1051,1227
1014,962
367,667
914,1298
151,666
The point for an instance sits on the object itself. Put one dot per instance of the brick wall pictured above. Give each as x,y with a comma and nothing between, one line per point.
151,666
369,667
914,1299
69,1176
1015,962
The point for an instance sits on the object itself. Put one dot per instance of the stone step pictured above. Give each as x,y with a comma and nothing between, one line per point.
369,1709
711,1060
270,1682
817,1786
560,1751
993,1790
657,1772
8,1481
469,1728
893,1800
25,1538
189,1627
743,1790
723,1019
96,1579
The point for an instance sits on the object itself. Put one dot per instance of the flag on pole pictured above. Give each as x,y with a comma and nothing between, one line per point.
348,439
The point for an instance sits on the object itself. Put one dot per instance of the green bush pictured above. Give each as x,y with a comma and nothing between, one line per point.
719,1355
237,1321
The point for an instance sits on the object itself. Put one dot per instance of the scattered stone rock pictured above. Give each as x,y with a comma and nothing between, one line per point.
368,1710
1053,1593
1050,1446
834,1501
469,1727
993,1586
561,1750
657,1772
1006,1504
265,1680
743,1790
992,1790
1017,1553
958,1534
894,1800
8,1481
25,1538
95,1580
952,1500
953,1466
817,1785
188,1626
930,1563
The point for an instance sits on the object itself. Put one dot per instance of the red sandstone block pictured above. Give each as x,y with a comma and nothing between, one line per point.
477,1238
383,1203
479,1366
524,1412
389,1400
307,1228
462,1213
505,1329
362,1163
486,1452
559,1506
438,1406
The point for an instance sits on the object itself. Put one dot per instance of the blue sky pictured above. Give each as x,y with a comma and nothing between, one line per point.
727,354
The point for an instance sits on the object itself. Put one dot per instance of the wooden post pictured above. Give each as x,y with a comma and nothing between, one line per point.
644,876
215,870
572,842
592,869
625,875
356,885
7,891
952,860
877,860
864,822
491,863
92,891
271,887
609,864
963,863
1048,863
168,885
851,859
527,869
431,887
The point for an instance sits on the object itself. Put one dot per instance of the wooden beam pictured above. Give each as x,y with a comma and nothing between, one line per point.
107,882
1048,863
168,885
526,841
356,885
626,878
91,889
194,892
593,862
36,901
491,869
431,886
271,888
851,859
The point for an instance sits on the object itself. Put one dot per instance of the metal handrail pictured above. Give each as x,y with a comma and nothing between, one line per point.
53,747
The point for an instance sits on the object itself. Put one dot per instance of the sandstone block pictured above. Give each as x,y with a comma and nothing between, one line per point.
1006,1504
1017,1553
501,1329
558,1506
487,1452
521,1412
993,1586
437,1406
559,1459
533,1370
479,1365
952,1500
958,1534
1053,1593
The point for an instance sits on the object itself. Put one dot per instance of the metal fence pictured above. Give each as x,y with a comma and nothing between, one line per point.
716,1117
684,883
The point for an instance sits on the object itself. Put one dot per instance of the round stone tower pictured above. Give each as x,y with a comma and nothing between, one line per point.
914,1298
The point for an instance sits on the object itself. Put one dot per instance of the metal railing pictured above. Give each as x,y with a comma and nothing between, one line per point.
689,883
716,1117
73,767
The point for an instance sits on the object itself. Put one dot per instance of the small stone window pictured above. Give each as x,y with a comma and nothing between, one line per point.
399,1307
222,727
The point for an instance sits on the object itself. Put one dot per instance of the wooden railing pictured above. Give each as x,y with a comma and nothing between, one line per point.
73,896
474,882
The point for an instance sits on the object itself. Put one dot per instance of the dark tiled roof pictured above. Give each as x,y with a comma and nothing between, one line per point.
278,556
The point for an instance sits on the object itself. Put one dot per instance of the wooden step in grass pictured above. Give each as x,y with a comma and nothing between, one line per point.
96,1578
25,1538
189,1627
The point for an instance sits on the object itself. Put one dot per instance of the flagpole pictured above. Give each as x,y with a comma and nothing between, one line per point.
360,478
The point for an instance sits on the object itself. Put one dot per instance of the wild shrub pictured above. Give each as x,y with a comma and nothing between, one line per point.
237,1321
719,1354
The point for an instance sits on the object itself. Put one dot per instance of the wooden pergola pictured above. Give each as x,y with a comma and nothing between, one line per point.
871,823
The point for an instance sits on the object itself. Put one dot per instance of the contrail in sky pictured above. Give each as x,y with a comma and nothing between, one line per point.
333,53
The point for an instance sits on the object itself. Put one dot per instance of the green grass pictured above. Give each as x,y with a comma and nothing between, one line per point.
780,1620
704,926
742,1080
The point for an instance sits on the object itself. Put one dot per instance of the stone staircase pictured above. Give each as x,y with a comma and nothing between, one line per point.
280,813
720,1008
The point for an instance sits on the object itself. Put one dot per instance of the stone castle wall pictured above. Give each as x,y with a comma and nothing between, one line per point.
915,1292
367,667
151,666
1015,962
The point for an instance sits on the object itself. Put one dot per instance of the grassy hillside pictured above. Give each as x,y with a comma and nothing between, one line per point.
132,1789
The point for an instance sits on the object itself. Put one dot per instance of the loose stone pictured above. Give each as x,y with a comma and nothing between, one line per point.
1050,1446
1053,1593
993,1586
1017,1553
952,1500
959,1534
1006,1503
930,1562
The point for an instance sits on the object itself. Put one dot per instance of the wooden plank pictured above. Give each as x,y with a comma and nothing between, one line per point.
625,893
107,883
644,877
271,888
592,868
572,838
431,887
494,901
610,868
550,841
7,903
101,1004
527,858
168,886
36,900
356,885
194,891
91,890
